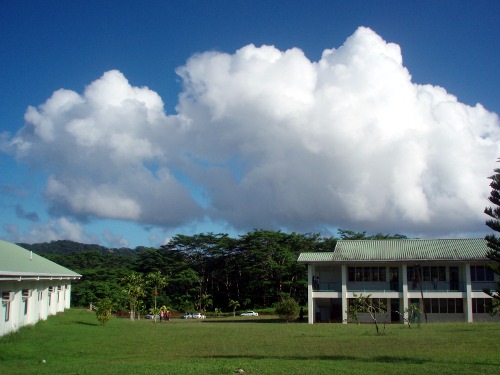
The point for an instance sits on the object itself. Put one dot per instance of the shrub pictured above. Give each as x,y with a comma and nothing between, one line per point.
103,312
287,309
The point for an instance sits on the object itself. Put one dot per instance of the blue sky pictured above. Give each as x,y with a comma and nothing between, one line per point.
126,122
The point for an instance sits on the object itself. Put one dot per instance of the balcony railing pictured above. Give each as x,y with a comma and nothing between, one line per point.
328,287
382,286
437,286
479,286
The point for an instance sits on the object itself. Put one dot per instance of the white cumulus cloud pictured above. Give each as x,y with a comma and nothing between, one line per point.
265,138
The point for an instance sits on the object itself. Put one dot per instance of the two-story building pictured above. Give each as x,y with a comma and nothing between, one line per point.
31,287
445,278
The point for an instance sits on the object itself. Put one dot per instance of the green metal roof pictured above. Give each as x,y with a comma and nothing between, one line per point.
16,261
401,250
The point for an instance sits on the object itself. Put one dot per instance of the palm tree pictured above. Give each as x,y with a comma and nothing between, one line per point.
157,281
133,286
206,301
234,305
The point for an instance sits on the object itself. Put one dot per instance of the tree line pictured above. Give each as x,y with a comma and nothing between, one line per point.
204,271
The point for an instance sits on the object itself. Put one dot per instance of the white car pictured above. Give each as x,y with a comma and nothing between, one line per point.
250,313
193,316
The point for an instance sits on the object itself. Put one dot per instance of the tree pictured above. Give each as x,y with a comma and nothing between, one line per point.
157,281
492,239
287,308
103,311
206,301
133,287
234,305
365,304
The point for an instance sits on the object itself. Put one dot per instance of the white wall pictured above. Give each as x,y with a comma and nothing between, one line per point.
37,303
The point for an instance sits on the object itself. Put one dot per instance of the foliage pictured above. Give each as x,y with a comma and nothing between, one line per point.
412,314
157,282
365,304
492,239
234,305
203,270
287,309
103,311
133,287
346,234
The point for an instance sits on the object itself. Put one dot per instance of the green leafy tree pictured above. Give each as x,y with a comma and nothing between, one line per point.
133,287
157,281
493,240
234,305
103,311
287,309
206,301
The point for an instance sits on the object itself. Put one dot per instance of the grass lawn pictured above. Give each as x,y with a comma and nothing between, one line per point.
73,343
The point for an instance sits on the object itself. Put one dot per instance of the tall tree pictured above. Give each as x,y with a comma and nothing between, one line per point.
157,281
133,286
493,240
234,305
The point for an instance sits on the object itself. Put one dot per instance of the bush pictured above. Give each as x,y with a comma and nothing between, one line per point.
103,312
287,309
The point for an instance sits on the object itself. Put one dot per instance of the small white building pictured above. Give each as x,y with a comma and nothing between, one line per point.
444,278
31,287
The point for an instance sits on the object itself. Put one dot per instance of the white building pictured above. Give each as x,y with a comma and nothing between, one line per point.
31,287
446,279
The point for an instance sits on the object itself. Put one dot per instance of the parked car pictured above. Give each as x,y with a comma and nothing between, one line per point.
193,316
250,313
151,316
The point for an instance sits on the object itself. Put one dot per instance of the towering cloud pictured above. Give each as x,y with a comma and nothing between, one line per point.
266,138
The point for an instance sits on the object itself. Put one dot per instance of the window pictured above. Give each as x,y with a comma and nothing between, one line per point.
351,274
482,305
430,273
481,273
26,296
444,305
7,297
366,274
6,306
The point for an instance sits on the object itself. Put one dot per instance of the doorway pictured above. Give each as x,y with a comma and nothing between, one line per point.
454,278
395,317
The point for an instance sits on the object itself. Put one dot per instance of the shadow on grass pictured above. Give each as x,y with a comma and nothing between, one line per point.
86,323
237,320
383,359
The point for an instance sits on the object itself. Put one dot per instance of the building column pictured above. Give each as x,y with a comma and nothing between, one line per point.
468,295
344,294
404,284
311,306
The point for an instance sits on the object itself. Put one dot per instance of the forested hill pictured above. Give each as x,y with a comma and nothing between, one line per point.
65,247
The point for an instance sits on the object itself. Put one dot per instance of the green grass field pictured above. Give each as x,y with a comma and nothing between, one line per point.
73,343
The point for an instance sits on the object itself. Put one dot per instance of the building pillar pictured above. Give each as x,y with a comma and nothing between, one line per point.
311,306
404,284
468,295
344,294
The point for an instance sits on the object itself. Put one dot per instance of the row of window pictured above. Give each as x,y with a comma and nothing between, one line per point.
442,305
427,273
366,273
8,296
481,273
